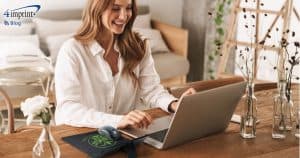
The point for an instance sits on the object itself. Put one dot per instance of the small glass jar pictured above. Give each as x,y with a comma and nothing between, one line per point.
249,113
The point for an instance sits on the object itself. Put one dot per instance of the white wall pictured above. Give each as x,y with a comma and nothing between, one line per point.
169,11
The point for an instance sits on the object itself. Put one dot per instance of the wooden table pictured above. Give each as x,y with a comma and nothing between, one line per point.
227,144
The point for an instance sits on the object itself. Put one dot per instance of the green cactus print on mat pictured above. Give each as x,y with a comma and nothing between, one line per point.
99,141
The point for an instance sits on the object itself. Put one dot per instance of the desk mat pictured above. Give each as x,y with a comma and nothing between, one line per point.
96,145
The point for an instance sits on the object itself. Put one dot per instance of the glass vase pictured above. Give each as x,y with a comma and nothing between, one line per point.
2,128
289,113
249,113
297,120
279,112
46,146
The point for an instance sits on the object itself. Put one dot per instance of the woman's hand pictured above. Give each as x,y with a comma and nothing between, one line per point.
174,105
136,119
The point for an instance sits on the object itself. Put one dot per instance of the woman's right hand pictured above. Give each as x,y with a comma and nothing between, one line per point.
136,119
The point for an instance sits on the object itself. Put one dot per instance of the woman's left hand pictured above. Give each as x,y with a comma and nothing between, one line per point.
174,105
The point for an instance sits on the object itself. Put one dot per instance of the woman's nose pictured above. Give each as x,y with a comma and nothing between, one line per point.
123,14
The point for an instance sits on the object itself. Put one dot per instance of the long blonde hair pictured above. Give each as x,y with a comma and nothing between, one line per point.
131,45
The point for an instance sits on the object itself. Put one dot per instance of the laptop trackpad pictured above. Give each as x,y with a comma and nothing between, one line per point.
157,125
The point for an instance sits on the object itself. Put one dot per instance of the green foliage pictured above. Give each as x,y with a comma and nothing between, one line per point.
217,42
219,20
100,141
220,11
229,2
221,8
211,57
220,31
46,116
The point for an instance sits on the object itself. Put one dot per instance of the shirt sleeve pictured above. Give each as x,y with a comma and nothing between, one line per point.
151,92
69,109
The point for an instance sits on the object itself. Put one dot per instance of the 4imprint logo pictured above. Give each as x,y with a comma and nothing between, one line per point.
14,17
23,12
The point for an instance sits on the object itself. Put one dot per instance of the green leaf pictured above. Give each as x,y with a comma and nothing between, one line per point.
221,8
217,42
217,53
218,20
46,117
229,2
220,31
211,58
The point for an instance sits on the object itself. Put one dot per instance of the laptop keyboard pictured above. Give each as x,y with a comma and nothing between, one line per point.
160,135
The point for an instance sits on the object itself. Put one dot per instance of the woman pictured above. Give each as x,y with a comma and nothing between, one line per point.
106,70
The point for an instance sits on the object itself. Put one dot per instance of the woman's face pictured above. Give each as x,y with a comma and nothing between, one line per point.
116,16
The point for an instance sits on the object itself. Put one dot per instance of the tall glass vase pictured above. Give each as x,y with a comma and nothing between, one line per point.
289,112
46,146
279,112
249,113
297,120
2,129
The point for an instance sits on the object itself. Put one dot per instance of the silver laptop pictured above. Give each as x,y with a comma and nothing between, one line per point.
198,115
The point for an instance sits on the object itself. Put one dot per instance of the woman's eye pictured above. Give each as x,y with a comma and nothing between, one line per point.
115,8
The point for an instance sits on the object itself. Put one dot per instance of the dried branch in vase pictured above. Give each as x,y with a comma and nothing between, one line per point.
290,60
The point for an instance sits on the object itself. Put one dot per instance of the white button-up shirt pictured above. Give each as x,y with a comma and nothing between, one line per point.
87,93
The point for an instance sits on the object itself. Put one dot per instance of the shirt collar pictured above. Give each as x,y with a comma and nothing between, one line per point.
96,48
